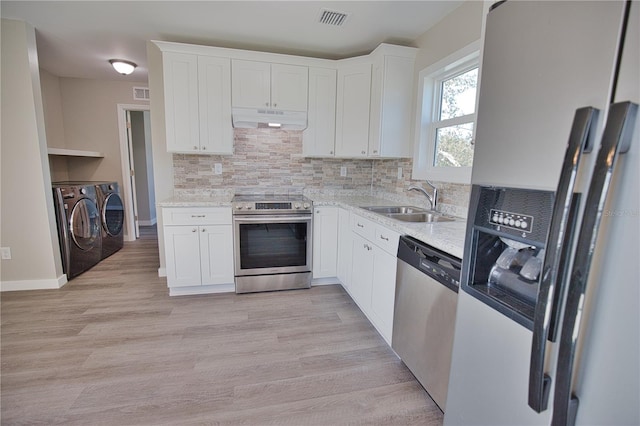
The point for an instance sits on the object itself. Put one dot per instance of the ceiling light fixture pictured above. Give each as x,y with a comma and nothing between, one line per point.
122,66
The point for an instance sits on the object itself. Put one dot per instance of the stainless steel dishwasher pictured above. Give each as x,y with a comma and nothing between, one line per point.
427,284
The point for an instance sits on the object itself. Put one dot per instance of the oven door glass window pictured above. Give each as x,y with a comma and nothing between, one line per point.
273,245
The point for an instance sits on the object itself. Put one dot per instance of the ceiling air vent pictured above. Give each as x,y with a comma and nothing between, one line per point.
141,93
332,17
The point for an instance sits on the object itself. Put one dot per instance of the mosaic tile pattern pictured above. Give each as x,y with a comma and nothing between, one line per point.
453,199
268,160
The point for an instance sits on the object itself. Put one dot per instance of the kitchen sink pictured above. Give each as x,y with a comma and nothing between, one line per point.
409,214
395,209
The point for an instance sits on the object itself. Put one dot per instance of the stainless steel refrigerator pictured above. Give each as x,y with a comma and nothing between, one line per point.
548,320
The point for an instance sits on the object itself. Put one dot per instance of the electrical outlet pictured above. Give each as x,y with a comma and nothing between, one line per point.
343,171
217,168
6,253
399,172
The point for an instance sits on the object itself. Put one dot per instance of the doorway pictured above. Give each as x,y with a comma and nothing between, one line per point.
137,168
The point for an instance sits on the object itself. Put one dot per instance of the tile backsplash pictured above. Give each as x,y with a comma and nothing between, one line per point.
267,160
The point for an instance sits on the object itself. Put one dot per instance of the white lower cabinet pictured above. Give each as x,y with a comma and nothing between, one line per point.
198,250
373,276
344,248
325,242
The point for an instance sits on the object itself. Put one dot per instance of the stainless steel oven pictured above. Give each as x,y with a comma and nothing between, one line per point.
272,242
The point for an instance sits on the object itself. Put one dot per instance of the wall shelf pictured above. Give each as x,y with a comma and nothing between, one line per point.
74,153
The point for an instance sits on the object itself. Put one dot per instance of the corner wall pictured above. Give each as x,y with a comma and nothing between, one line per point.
27,221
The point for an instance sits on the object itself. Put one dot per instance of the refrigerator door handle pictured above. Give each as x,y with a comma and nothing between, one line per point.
615,140
558,245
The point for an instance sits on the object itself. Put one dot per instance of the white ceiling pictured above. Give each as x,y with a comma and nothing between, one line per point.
77,38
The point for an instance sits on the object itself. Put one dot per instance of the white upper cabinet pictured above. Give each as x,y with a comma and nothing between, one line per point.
352,110
181,101
391,97
197,92
214,81
265,85
318,139
374,103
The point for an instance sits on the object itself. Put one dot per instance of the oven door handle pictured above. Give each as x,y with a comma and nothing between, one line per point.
272,219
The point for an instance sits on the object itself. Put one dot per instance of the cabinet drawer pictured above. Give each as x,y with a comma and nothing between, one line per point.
196,215
387,240
363,227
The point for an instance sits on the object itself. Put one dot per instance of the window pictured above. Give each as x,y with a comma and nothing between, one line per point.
446,118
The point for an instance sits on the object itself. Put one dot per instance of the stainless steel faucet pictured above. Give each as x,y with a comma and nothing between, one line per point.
433,198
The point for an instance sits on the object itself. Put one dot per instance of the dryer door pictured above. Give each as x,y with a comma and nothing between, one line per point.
113,214
84,224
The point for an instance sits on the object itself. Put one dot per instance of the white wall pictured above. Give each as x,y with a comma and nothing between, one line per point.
89,109
27,214
162,160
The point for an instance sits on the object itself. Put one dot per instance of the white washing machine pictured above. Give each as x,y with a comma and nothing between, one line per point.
111,217
78,222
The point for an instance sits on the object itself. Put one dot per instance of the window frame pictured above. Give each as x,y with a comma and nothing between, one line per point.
428,108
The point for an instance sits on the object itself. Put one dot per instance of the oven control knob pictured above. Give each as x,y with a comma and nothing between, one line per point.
248,207
238,207
296,206
306,206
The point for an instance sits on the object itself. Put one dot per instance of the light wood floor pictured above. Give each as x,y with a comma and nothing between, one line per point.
112,348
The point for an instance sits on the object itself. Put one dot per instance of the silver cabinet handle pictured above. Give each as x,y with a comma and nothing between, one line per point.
204,230
555,263
330,152
382,237
359,225
195,147
616,139
198,215
266,104
194,230
204,148
363,152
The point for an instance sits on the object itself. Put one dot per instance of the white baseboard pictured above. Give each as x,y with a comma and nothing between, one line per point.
162,272
325,281
206,289
50,284
148,222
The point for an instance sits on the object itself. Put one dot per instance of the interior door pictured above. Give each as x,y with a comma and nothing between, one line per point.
132,176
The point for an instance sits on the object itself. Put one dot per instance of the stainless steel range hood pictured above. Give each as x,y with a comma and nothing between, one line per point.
250,118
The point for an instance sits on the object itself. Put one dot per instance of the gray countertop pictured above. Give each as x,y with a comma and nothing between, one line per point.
445,236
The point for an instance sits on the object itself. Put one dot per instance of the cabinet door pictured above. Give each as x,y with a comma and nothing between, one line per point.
182,253
181,101
325,242
318,138
216,254
214,81
352,110
344,248
361,272
391,98
250,84
289,87
383,291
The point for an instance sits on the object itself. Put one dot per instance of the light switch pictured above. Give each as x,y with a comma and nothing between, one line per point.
217,168
399,172
343,171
